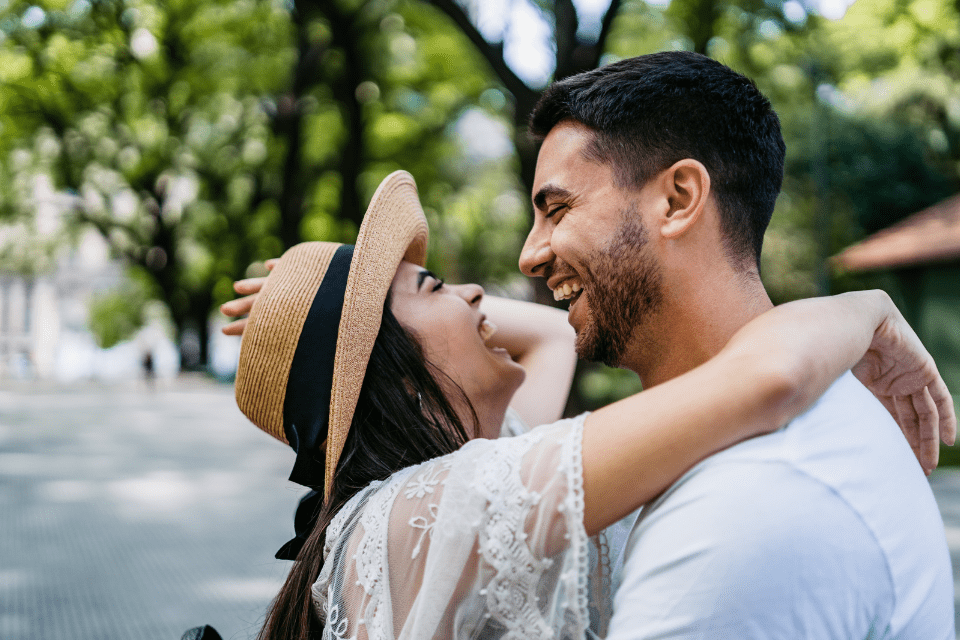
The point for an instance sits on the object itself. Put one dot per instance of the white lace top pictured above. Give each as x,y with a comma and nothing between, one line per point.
487,542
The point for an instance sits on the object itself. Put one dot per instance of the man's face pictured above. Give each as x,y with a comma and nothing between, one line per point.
589,242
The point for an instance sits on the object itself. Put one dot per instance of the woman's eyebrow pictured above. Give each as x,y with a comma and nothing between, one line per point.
423,275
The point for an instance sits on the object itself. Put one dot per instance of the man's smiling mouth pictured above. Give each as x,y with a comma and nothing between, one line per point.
567,290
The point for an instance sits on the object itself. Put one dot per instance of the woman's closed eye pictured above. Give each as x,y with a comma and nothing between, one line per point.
422,278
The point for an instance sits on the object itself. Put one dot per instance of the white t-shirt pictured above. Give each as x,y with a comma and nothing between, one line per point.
826,529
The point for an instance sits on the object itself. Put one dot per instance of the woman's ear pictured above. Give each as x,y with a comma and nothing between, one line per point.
687,187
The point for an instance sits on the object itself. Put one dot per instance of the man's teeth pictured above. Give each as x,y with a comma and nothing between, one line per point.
487,330
566,291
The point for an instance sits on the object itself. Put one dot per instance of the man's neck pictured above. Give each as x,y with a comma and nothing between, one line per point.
692,329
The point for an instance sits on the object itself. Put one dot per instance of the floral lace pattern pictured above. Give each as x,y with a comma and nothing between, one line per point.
425,482
512,594
486,542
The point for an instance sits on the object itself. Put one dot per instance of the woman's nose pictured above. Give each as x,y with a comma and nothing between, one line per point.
472,293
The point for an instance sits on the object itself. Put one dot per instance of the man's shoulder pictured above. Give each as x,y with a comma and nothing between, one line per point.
835,497
846,448
847,432
770,547
763,494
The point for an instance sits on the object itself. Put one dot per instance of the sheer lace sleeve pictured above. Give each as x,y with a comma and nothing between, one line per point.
487,542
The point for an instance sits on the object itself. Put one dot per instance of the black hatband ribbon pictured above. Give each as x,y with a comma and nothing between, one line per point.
306,406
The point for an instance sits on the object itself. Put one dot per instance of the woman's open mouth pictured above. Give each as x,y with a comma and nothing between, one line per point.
486,329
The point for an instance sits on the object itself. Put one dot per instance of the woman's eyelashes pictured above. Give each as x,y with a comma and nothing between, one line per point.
438,285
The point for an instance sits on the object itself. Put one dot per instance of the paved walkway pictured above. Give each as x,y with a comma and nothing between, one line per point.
127,514
134,514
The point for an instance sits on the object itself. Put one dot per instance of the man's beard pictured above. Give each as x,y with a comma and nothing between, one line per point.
623,284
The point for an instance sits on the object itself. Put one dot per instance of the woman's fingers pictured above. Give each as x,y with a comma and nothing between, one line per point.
238,307
235,328
248,286
928,429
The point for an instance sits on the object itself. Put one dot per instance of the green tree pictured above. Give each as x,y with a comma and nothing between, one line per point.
153,116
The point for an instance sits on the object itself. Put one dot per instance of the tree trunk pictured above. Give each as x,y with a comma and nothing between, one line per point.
345,91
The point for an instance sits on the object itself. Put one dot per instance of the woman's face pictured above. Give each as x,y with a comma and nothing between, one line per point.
450,327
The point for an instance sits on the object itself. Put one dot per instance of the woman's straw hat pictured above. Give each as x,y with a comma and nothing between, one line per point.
308,339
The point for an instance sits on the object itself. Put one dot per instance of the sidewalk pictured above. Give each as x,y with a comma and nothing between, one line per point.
127,513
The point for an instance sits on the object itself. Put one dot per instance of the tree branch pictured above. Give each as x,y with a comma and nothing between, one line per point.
606,26
566,24
492,53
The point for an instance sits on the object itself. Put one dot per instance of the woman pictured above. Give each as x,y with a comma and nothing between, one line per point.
386,383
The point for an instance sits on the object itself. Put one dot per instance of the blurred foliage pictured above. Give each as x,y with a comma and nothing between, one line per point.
200,136
151,117
115,316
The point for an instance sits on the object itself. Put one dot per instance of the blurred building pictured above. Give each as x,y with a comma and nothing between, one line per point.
43,302
923,253
47,280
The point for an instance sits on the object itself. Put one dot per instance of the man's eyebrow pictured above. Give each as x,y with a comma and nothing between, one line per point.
549,191
423,275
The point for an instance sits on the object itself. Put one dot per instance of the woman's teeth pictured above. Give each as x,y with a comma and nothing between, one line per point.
487,330
566,291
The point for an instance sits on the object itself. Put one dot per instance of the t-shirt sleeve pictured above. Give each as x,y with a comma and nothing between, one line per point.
721,555
485,542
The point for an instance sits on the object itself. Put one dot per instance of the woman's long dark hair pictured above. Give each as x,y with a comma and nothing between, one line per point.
403,417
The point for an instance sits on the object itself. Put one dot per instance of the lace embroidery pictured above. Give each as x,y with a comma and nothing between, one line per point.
420,522
336,627
512,593
425,482
371,556
573,451
514,574
342,517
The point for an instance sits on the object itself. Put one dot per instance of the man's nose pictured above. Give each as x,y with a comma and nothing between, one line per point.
536,253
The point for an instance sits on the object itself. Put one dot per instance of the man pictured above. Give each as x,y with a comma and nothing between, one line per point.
654,185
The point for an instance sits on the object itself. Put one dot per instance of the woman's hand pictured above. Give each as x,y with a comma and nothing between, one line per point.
250,289
900,372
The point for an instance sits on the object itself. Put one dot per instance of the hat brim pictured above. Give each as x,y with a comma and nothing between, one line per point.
394,229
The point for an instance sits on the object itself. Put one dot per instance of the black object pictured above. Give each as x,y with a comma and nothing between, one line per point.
303,522
206,632
306,405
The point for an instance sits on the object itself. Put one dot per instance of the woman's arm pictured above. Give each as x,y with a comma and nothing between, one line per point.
769,372
540,339
536,336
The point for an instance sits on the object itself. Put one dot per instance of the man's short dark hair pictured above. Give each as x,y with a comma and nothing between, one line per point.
649,112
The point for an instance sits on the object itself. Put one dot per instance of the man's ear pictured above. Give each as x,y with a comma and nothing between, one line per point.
687,187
